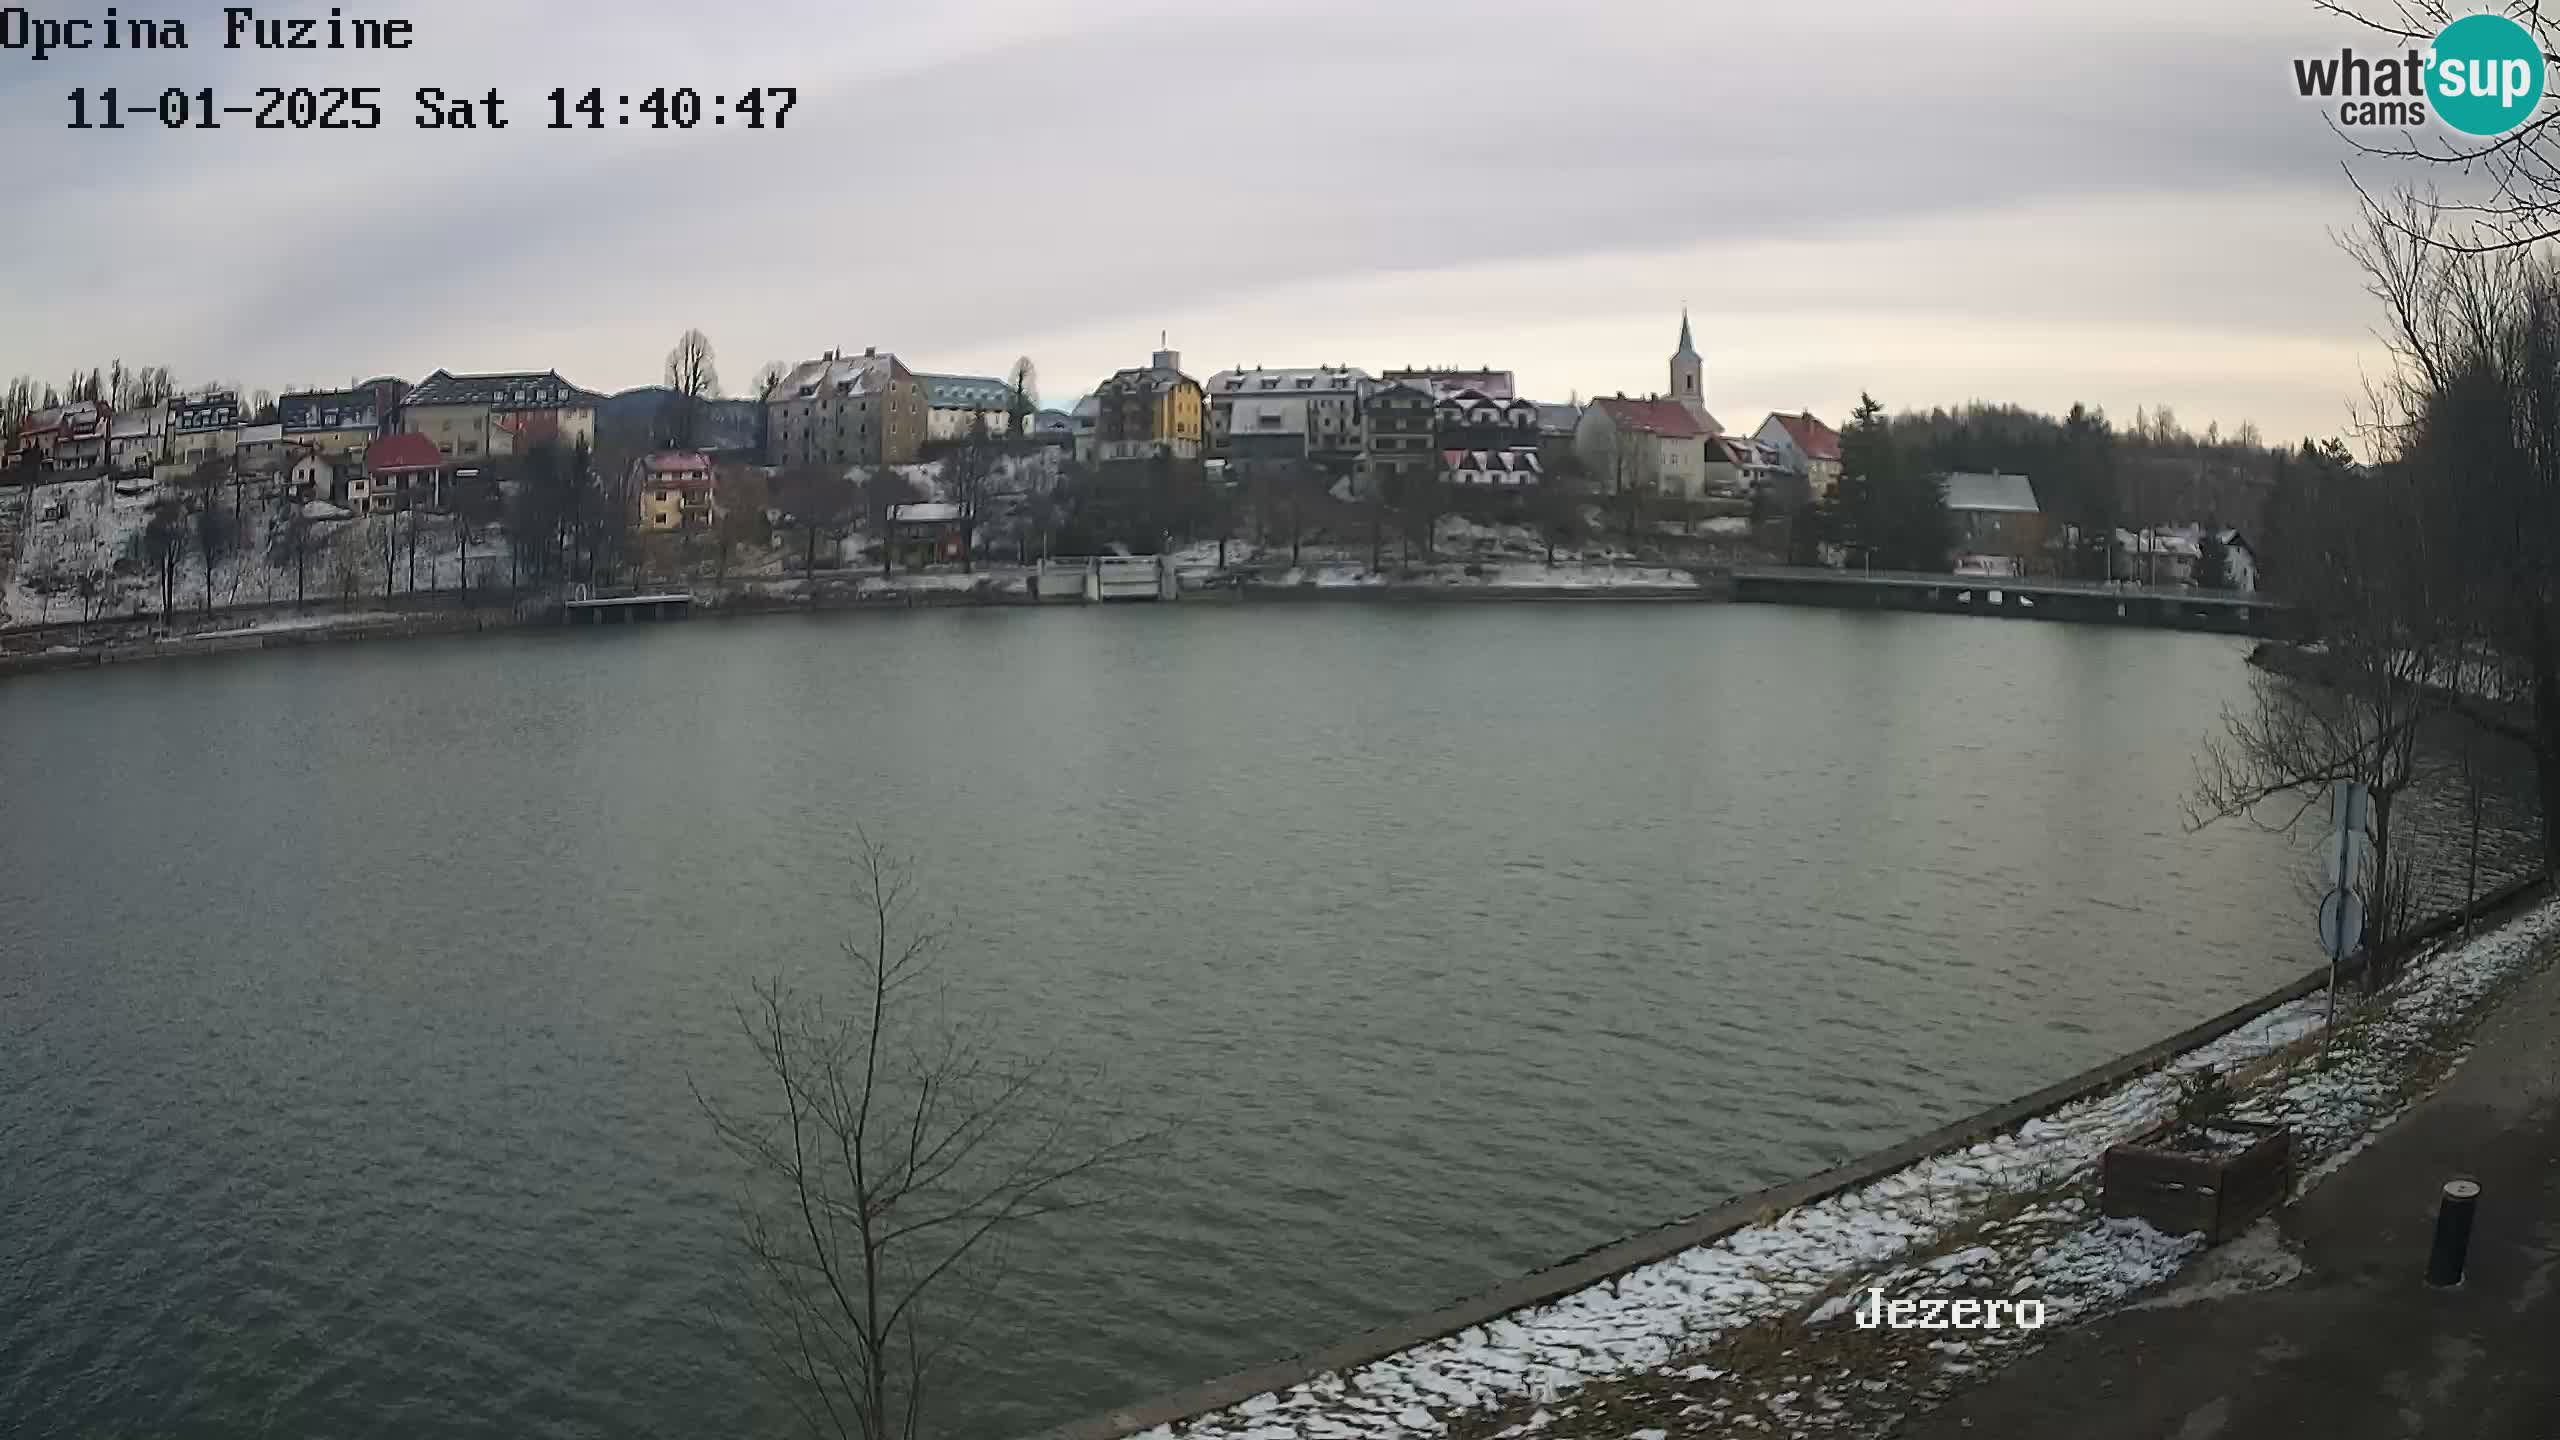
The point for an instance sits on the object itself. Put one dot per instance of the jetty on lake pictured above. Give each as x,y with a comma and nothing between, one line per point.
2090,602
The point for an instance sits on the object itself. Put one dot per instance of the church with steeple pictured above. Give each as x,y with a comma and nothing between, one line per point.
1689,381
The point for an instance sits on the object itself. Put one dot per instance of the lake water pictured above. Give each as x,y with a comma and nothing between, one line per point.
349,996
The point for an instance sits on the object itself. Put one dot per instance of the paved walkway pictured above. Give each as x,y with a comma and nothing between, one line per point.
2357,1346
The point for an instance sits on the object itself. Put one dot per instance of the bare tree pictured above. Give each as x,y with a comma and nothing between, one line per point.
204,502
290,539
164,545
2383,620
968,473
694,375
894,1154
819,500
743,497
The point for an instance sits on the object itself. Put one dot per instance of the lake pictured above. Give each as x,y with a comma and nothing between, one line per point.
350,997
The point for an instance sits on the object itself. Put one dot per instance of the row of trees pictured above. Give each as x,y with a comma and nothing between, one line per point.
2429,573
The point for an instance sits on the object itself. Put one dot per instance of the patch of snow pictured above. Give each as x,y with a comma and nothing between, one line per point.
1638,1321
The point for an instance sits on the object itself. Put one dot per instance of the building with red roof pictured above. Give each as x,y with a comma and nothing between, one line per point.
1650,444
401,472
1807,446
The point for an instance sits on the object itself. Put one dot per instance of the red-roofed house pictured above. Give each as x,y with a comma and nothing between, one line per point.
1808,447
676,490
1655,444
400,472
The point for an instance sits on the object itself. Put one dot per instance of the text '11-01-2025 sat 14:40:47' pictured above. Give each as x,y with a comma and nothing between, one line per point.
361,107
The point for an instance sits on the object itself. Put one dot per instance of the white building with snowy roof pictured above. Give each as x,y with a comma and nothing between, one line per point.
956,405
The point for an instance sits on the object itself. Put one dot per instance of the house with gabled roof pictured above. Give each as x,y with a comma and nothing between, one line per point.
1809,447
1996,518
1653,444
1149,410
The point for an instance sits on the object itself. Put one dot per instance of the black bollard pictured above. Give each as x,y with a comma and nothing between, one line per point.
2453,1233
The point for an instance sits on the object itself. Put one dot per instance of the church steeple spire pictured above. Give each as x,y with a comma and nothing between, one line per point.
1688,373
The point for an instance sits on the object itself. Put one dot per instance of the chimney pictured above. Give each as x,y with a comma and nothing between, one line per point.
1168,360
869,351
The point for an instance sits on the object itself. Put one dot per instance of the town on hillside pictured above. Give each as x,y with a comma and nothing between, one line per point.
123,495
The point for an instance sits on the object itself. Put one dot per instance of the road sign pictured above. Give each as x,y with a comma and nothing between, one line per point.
2343,863
2341,923
2350,808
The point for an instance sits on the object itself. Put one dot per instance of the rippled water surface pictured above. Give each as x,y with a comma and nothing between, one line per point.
348,998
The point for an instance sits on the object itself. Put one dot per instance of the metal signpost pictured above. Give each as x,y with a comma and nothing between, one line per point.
2343,859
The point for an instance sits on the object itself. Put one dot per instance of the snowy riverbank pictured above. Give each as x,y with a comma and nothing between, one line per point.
1751,1331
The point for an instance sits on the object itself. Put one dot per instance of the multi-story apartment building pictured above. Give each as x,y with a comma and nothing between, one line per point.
956,405
677,490
203,425
866,409
471,417
339,423
1265,415
140,440
1401,438
1487,439
1148,411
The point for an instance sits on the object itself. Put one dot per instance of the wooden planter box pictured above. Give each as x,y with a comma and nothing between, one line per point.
2182,1189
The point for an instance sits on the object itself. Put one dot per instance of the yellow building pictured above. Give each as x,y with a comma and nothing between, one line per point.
1149,411
472,416
677,490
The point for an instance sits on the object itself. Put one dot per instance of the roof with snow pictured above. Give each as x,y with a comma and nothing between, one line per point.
402,452
515,391
1817,440
1149,378
328,410
1496,383
924,512
1667,418
1743,450
870,373
1519,466
141,424
966,392
1996,492
1559,419
1322,380
676,462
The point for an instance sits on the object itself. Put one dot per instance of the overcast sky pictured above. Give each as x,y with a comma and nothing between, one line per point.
2013,200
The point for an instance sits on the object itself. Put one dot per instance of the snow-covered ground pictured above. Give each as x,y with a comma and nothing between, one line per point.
1345,575
342,557
1812,1261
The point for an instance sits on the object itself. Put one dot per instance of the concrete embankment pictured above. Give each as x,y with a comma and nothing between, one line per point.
1581,1274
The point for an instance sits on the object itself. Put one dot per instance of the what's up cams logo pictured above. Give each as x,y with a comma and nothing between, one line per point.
2482,76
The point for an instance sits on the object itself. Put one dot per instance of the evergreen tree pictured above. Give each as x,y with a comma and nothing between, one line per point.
2213,560
1866,450
1893,507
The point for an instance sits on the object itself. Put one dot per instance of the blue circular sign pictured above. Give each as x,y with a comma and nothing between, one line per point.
2484,76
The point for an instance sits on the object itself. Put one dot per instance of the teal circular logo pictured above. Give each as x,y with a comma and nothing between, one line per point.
2484,76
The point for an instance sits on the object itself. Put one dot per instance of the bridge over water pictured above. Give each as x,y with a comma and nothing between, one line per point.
2091,602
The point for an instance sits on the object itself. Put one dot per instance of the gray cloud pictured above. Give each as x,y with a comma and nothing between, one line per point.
959,181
